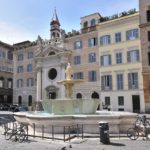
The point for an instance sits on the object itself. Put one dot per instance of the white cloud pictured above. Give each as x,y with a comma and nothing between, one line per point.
12,33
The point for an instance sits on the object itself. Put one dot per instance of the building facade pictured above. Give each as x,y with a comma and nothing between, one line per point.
144,8
121,64
24,83
6,73
85,57
111,56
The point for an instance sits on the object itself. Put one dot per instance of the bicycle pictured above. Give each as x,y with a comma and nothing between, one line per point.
141,128
17,134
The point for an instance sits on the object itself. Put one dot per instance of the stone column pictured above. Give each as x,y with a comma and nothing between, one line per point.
38,98
62,78
38,105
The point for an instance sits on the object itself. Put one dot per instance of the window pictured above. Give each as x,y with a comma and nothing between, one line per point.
77,60
79,96
120,81
19,100
19,83
133,80
105,40
30,82
120,100
148,15
95,95
78,45
30,55
2,54
92,76
20,57
10,55
107,101
1,82
52,74
29,68
85,25
78,75
149,58
149,36
51,53
92,57
121,109
106,60
9,83
133,56
93,22
20,69
118,37
30,100
132,34
119,58
92,42
106,82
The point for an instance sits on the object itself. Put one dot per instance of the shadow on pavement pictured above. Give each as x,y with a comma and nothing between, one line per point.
117,144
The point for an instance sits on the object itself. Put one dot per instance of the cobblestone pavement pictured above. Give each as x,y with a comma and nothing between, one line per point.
75,144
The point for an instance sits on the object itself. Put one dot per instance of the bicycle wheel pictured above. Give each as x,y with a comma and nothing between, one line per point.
8,134
132,134
21,137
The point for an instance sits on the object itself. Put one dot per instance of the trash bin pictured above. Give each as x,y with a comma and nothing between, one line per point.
104,132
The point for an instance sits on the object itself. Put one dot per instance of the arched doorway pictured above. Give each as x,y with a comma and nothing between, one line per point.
19,100
52,95
9,99
52,92
95,95
79,96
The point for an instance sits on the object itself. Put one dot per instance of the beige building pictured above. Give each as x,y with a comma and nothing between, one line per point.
106,54
24,83
85,57
144,8
121,64
6,73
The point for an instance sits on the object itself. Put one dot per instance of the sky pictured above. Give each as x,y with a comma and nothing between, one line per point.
22,20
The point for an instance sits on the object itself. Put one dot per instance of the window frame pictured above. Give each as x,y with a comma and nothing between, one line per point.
132,34
105,40
120,83
92,76
77,60
92,57
118,37
76,46
105,60
120,100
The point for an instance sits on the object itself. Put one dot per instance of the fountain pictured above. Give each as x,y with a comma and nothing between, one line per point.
69,111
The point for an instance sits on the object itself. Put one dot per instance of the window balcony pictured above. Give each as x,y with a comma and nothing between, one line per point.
88,29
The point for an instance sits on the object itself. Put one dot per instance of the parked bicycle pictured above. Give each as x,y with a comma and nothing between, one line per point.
141,128
18,133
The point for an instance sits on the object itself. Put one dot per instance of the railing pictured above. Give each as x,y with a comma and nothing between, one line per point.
68,131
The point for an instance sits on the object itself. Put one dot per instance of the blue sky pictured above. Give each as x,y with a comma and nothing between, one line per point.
26,19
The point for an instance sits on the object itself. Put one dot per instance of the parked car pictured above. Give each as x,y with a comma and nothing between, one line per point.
21,108
13,107
4,107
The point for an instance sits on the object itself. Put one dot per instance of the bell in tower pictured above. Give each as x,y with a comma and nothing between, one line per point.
55,27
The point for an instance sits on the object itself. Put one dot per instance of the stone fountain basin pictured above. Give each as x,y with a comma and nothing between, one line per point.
119,122
70,106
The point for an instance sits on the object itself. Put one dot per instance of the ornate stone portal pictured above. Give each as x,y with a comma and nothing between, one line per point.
68,105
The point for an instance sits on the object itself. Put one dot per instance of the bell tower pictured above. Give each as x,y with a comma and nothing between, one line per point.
55,27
